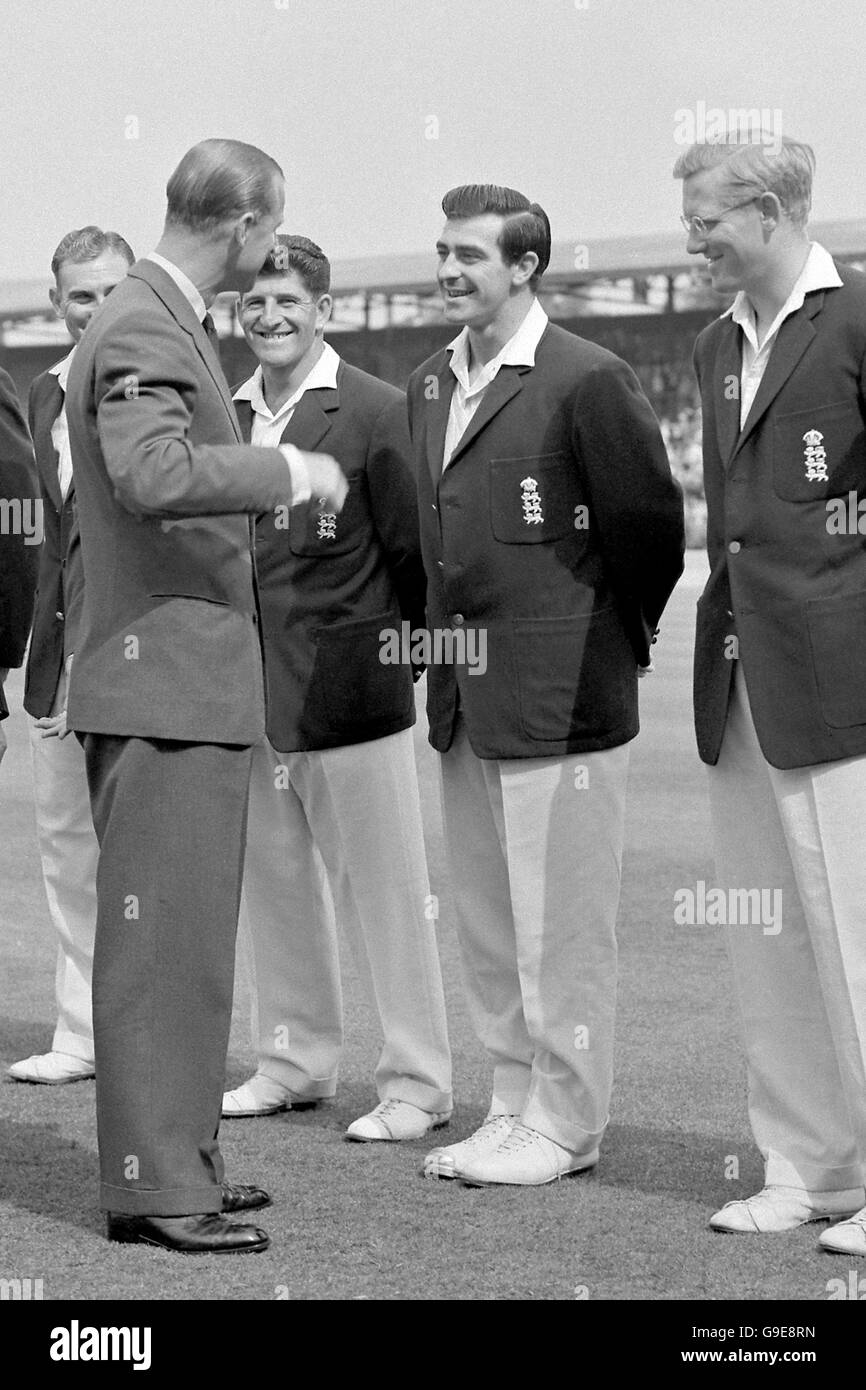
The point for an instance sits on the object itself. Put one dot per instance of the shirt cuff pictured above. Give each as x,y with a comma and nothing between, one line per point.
299,473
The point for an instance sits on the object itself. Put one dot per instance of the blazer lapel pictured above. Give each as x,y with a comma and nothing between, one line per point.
180,308
727,369
46,410
311,418
794,336
502,388
436,410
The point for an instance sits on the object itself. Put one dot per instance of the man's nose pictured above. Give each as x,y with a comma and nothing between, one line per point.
450,268
270,312
695,242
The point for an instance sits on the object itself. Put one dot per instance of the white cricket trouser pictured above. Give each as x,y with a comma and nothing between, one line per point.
335,837
535,852
69,851
801,990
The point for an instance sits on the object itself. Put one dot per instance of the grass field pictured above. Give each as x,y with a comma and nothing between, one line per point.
357,1221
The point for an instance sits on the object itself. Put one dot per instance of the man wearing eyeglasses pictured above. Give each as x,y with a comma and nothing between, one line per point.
780,669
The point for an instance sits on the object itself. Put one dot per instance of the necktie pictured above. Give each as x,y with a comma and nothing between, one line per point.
207,324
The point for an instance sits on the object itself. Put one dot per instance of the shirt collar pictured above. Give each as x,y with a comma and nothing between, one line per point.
322,375
818,273
519,351
183,282
61,369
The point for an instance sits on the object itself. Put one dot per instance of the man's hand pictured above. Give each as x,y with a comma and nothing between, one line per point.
645,670
327,482
53,725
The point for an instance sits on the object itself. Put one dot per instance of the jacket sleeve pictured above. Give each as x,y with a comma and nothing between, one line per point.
635,503
20,528
146,391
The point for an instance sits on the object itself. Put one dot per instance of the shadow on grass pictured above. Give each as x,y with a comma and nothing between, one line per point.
675,1162
47,1175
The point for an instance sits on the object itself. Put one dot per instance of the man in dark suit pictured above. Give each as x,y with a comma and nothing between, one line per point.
167,691
86,266
551,528
780,671
20,534
335,784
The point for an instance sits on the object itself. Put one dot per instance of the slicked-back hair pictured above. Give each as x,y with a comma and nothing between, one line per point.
86,244
217,181
526,225
300,254
786,171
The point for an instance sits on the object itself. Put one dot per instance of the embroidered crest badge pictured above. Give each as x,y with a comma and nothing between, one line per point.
532,513
327,528
816,457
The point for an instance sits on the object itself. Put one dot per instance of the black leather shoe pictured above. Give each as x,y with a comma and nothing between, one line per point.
207,1234
240,1197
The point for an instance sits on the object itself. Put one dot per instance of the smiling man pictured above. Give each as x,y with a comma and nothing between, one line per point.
780,670
549,521
87,265
335,784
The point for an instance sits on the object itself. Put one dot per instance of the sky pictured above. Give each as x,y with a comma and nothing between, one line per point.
374,108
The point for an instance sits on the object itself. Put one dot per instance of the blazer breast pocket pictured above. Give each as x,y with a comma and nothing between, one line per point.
819,452
314,532
533,499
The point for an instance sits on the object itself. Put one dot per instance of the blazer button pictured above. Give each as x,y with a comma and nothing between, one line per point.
59,615
729,612
734,547
433,505
441,564
458,619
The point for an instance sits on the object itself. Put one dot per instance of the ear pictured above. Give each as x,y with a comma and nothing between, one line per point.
771,209
56,301
523,270
324,305
243,227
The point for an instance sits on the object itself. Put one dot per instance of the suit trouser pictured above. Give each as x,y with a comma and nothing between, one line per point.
335,836
801,990
69,852
171,822
535,853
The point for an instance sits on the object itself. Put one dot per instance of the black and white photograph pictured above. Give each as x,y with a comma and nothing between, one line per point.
432,671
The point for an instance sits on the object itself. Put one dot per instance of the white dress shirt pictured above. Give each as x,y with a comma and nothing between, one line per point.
267,426
60,429
818,273
298,472
519,351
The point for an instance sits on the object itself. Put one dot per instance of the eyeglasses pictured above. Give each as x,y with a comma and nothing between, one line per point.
702,226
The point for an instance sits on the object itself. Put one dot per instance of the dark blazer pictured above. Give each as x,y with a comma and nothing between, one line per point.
60,589
569,610
791,590
18,558
168,645
327,592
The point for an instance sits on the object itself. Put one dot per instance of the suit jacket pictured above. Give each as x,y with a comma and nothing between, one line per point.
168,645
60,588
328,591
18,556
568,600
791,590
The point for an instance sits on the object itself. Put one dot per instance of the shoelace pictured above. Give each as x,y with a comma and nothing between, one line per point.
385,1108
519,1138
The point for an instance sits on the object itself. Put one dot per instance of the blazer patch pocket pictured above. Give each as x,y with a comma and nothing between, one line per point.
837,636
533,499
820,452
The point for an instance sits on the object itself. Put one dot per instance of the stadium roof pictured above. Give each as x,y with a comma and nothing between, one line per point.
571,263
